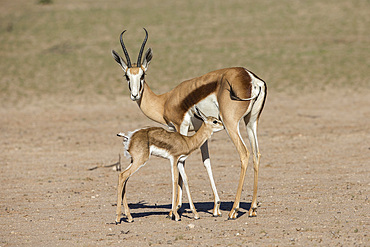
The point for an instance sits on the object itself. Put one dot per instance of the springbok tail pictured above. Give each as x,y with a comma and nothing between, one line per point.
126,142
125,138
233,95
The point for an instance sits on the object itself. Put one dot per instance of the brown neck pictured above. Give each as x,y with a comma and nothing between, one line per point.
152,105
200,137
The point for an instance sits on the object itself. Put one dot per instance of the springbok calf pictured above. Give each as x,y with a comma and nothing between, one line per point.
142,143
231,94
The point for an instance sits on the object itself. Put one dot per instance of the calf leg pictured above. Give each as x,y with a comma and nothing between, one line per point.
185,180
121,188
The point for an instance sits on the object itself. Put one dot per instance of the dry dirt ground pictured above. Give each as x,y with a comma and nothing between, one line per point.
313,186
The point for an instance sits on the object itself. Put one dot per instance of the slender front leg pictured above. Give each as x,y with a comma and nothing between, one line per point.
185,180
175,176
207,165
179,189
184,129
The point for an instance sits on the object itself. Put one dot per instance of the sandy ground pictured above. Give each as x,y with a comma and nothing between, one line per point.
313,186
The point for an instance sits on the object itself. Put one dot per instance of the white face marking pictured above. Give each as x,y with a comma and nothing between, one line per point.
136,80
215,126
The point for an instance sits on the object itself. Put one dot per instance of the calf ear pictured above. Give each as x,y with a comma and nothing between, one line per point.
119,60
147,58
200,114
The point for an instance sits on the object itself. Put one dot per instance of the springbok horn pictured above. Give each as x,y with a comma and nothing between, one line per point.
125,51
142,49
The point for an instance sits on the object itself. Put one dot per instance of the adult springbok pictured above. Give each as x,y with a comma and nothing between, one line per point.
231,94
142,143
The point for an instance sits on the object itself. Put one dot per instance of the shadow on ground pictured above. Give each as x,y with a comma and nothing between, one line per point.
184,211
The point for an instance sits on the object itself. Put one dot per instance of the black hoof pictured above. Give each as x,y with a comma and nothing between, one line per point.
174,218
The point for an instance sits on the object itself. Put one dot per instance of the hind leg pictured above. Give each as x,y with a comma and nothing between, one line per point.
232,128
183,130
251,126
121,188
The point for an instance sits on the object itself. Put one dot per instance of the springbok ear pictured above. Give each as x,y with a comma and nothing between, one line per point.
147,58
119,60
200,114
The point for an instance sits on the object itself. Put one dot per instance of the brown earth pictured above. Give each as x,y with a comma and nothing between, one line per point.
313,186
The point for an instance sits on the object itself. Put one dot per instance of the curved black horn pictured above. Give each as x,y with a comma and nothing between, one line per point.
142,48
125,51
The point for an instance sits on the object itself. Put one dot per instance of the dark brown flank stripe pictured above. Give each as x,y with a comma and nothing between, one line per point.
197,95
160,144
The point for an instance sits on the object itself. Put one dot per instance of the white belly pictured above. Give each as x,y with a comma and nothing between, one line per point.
209,106
160,152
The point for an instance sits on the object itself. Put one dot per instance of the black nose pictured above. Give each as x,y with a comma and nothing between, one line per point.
134,97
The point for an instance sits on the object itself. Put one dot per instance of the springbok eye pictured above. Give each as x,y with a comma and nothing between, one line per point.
215,121
127,78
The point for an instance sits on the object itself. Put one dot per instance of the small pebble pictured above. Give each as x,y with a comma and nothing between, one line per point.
190,226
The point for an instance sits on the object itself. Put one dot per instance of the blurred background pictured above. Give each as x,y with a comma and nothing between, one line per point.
62,49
